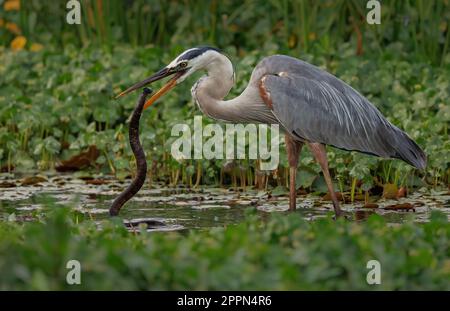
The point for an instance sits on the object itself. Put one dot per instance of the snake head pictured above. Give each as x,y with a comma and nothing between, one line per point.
147,91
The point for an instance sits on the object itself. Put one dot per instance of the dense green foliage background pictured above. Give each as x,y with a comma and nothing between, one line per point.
70,74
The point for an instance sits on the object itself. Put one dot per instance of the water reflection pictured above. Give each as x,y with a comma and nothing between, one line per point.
168,209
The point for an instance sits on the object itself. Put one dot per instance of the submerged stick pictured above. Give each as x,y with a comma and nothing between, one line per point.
138,151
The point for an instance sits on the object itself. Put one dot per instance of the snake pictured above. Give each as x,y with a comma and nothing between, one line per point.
139,155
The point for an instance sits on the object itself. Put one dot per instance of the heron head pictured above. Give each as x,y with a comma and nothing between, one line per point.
180,68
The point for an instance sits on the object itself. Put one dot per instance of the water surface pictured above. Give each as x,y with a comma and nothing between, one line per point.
169,208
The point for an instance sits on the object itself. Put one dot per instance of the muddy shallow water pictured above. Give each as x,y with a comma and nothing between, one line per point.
164,208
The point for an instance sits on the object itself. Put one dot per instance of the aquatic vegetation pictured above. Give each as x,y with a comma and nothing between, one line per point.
299,26
196,208
72,90
282,252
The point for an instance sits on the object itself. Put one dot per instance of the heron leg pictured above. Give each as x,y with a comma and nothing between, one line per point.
320,154
293,149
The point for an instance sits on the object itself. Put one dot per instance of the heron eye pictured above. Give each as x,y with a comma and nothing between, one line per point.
183,64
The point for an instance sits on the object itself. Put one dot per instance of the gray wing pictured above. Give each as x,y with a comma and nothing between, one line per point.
314,105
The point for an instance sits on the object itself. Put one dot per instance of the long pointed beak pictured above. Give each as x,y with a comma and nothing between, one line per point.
165,72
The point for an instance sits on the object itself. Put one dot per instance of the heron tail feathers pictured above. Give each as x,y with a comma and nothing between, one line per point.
407,150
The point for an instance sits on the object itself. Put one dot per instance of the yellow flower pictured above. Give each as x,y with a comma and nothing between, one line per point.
18,43
12,5
2,22
292,41
36,47
13,28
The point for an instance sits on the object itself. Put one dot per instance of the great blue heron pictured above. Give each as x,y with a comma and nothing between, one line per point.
312,106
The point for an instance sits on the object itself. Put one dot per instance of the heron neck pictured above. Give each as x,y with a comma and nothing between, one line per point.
211,89
219,79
